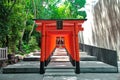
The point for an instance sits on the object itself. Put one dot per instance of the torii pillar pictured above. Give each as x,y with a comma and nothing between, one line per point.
51,30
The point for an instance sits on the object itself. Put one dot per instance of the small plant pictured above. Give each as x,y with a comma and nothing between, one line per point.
26,48
30,46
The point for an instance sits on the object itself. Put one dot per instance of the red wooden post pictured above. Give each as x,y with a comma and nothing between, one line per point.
42,59
64,29
77,49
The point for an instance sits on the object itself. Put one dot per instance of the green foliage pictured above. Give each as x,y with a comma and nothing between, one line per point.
32,43
26,48
83,14
17,29
79,3
56,9
31,46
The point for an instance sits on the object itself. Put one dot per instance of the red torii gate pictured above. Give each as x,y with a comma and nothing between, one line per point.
52,29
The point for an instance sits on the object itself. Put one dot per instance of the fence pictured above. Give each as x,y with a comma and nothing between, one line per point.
3,53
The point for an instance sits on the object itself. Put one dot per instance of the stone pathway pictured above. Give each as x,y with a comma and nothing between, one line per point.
82,76
61,76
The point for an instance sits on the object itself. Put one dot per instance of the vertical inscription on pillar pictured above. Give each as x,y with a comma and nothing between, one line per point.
59,24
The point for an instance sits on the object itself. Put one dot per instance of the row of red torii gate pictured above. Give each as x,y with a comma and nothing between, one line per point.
63,32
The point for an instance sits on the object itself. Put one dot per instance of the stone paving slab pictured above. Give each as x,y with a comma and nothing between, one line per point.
81,76
63,58
59,70
60,78
21,77
23,67
33,67
88,58
60,74
25,64
59,64
96,67
95,64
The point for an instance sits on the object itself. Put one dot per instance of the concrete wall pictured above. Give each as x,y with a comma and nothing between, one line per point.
103,28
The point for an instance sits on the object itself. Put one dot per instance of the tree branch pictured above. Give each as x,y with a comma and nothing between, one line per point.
10,9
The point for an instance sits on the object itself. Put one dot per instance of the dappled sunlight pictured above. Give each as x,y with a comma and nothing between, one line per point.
60,3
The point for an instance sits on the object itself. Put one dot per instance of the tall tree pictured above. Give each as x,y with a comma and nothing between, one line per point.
12,22
6,7
17,29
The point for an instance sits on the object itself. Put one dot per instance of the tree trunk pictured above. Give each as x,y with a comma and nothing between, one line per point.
21,39
34,10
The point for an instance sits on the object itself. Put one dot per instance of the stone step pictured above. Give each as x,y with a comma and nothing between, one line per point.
85,67
88,58
58,64
65,53
36,53
96,67
60,69
61,58
23,67
61,49
58,53
83,53
60,74
72,77
32,58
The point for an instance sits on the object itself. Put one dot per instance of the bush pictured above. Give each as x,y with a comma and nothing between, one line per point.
30,46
